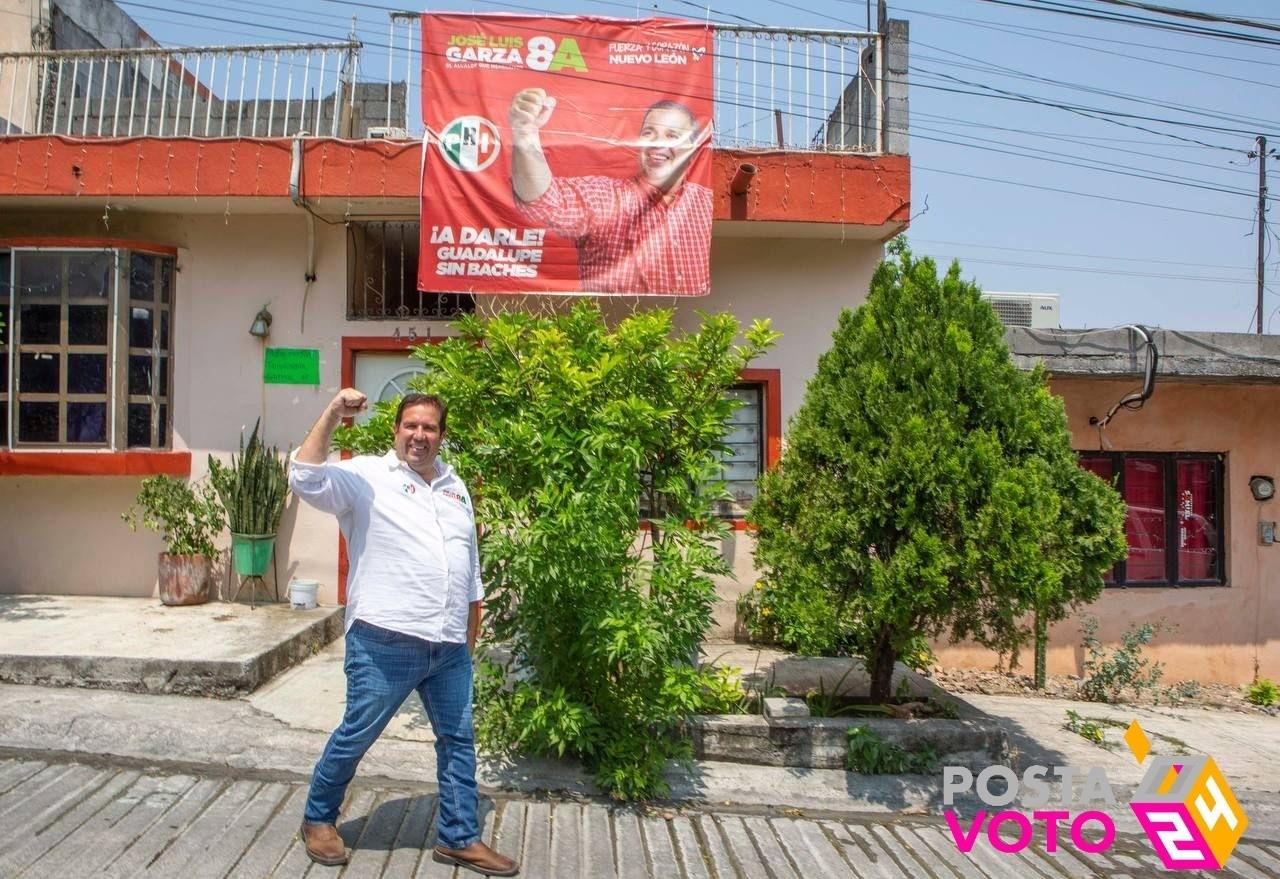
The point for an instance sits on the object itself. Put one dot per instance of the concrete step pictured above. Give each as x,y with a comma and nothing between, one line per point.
217,649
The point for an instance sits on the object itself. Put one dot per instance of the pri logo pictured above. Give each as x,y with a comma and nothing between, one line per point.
1185,805
470,143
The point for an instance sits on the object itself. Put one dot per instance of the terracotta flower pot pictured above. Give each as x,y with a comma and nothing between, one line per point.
184,579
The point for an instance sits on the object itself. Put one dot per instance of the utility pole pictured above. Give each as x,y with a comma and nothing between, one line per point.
1262,225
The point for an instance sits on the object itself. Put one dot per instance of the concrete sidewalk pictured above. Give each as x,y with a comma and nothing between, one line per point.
71,820
1245,746
279,731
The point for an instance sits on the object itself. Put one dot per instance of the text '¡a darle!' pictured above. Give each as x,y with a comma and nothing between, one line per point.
479,251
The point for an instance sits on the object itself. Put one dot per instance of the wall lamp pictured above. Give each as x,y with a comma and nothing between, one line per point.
261,326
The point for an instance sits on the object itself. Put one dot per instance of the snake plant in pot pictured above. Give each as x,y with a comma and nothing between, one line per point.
253,489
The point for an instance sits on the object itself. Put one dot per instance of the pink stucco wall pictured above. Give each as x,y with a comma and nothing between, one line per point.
231,263
1223,633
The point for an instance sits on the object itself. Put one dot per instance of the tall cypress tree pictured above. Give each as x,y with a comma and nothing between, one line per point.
928,484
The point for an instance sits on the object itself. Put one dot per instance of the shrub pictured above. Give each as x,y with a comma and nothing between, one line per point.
723,692
567,429
186,518
1263,692
1108,677
868,753
928,484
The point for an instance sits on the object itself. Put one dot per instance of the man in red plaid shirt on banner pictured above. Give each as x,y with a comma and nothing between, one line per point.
647,234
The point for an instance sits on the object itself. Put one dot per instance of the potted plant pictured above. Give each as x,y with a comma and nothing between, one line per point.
253,489
187,518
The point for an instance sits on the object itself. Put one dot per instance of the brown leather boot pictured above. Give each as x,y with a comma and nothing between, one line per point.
478,857
324,845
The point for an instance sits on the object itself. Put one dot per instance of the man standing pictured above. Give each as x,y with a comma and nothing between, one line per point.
413,610
649,233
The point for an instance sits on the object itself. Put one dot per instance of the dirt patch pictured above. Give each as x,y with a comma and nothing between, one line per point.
998,683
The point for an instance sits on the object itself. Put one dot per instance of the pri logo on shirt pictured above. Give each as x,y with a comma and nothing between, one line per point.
470,143
408,488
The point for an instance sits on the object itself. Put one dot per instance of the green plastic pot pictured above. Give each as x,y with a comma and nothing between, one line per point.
252,553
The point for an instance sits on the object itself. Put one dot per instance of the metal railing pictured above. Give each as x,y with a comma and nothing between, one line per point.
798,89
207,91
775,88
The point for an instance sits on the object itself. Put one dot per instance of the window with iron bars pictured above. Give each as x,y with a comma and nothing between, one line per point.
382,276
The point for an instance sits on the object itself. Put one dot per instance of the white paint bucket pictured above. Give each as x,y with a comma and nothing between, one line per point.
302,593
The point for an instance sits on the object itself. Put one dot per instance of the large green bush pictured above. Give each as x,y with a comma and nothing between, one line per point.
928,484
565,429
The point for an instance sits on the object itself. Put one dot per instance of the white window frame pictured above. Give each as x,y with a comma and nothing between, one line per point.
119,303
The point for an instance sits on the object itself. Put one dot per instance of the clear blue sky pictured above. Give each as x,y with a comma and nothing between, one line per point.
1112,262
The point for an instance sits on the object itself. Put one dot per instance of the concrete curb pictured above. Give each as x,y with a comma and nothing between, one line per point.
223,679
230,737
233,737
820,742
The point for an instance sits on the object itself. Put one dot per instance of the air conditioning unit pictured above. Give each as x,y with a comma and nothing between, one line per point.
1035,310
387,132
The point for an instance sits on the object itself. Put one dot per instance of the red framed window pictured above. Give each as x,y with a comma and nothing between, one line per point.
1175,516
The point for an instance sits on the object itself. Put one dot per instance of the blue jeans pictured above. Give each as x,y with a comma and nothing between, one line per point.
382,668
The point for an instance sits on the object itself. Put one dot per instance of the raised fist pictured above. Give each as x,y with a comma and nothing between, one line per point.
530,109
348,402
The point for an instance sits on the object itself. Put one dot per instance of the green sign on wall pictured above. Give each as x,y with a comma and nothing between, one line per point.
291,366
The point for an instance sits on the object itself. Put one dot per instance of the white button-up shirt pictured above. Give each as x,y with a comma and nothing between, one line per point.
411,544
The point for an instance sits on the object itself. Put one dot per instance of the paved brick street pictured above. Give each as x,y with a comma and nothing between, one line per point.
70,820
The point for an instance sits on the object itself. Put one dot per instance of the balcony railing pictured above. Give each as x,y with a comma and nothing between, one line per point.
775,88
795,89
208,91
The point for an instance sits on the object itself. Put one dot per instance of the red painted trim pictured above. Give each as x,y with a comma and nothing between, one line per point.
67,241
94,463
351,346
814,187
772,381
809,187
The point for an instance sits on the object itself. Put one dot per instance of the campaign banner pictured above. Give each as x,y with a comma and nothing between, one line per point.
566,155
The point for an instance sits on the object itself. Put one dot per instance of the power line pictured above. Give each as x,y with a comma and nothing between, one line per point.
1013,72
1043,188
1082,140
1124,273
1124,170
1026,99
1192,14
1034,33
1084,110
1073,253
1135,20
